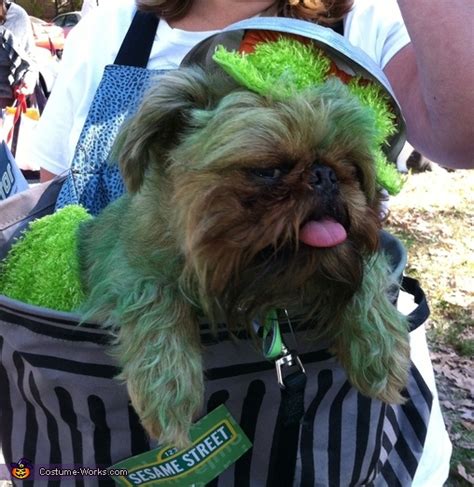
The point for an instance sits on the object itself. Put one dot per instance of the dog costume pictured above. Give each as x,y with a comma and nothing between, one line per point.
239,203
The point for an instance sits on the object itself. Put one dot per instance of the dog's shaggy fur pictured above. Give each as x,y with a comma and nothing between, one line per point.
220,182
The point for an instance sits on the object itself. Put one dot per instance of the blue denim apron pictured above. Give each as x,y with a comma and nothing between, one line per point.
93,180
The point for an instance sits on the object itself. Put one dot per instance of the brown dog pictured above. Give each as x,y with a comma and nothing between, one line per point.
239,204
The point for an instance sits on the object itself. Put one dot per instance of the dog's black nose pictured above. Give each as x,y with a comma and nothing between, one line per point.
323,177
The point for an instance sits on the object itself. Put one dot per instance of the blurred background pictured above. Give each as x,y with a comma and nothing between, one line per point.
51,20
48,9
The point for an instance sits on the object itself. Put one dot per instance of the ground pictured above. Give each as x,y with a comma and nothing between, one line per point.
434,217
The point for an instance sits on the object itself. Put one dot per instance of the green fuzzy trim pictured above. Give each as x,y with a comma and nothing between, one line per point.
286,66
373,97
387,174
278,68
42,266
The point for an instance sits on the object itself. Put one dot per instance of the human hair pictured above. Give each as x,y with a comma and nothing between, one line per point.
321,11
3,11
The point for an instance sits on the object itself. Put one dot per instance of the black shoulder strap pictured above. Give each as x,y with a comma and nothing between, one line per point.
136,46
421,313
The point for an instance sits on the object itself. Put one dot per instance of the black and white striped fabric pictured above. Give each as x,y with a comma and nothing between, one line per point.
18,62
60,405
345,439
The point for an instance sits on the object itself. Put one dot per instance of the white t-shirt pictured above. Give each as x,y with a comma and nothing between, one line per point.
374,26
90,5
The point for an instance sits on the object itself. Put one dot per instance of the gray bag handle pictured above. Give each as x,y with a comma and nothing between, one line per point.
21,208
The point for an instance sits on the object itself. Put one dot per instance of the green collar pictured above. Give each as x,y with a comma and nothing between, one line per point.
275,349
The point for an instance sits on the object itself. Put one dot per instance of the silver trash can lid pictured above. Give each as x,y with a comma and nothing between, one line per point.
347,57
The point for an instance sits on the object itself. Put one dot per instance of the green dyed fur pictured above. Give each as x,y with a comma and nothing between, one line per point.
282,67
42,268
373,341
151,301
141,302
146,281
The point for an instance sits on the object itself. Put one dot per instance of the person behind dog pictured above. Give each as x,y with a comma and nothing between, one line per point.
88,104
17,70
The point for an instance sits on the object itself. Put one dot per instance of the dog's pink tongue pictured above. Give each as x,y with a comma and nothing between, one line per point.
323,233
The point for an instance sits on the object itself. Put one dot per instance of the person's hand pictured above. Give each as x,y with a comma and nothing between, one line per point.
25,89
27,85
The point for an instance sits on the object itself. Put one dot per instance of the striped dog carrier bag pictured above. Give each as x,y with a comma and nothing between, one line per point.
60,404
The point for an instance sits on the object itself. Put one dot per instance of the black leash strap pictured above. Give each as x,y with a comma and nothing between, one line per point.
292,399
138,42
292,386
285,443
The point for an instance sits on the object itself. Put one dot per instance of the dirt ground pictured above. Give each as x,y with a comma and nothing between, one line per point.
434,216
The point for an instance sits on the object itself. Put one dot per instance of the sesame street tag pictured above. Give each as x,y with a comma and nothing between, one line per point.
217,442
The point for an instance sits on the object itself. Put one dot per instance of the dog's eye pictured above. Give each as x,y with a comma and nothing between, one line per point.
269,173
359,174
355,170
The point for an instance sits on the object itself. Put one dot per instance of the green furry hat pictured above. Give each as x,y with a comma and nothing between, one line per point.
42,266
285,65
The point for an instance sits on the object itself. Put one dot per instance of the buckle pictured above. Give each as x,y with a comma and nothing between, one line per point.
290,359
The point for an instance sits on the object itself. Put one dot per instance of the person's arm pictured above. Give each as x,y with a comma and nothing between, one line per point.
433,79
31,77
46,175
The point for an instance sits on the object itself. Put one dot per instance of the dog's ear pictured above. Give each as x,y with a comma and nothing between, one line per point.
160,122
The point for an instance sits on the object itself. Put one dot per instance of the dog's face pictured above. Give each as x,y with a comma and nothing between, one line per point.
269,202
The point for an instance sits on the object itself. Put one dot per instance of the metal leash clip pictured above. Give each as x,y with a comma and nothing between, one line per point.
289,359
274,347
